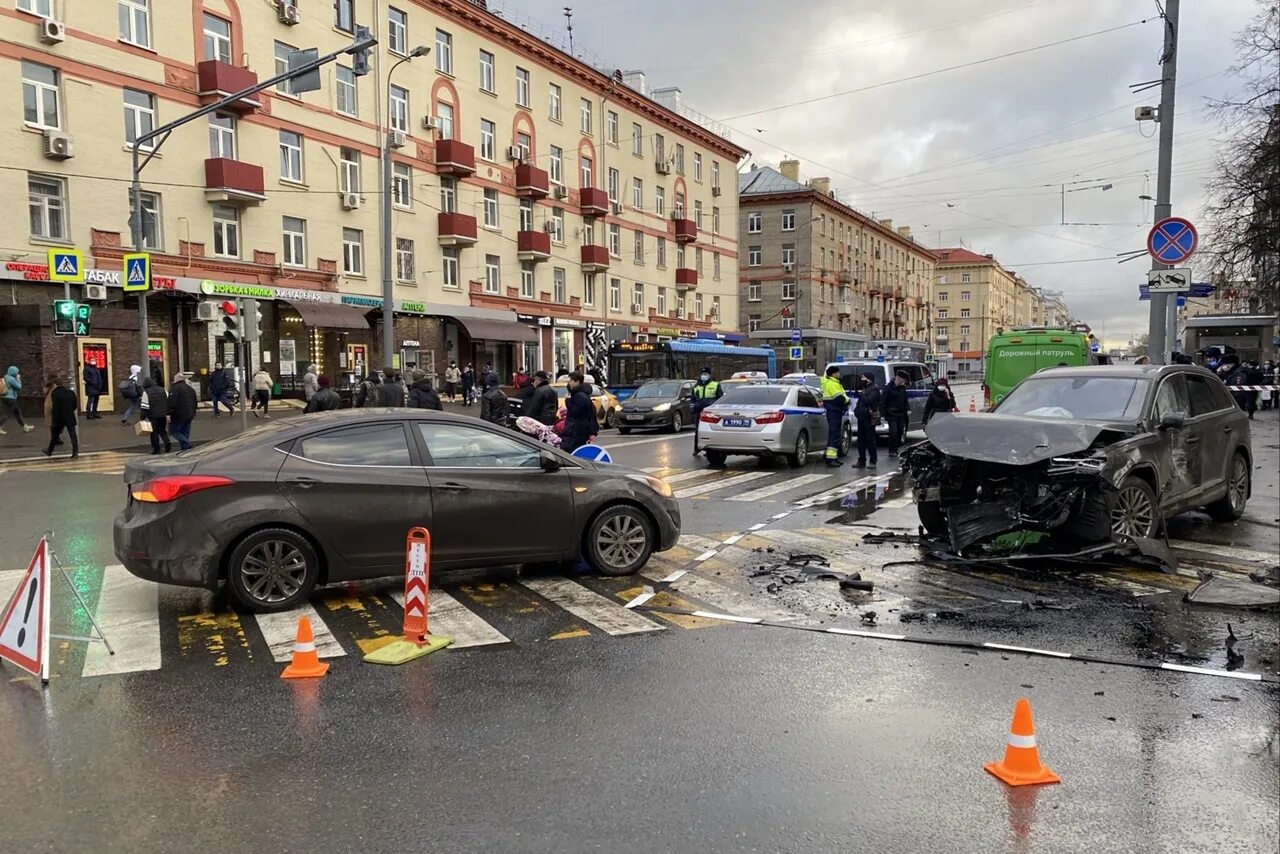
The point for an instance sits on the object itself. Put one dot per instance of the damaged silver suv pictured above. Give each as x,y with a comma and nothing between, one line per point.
1085,455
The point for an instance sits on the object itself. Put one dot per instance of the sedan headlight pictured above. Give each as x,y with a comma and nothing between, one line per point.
657,484
662,407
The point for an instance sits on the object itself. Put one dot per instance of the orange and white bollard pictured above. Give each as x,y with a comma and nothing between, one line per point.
417,640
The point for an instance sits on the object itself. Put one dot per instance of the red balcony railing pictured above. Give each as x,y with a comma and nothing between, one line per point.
220,79
531,182
533,245
686,277
456,228
594,258
227,180
593,201
455,158
686,231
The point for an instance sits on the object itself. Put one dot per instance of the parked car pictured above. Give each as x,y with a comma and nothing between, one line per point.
331,497
607,406
1089,454
919,383
664,404
813,381
764,421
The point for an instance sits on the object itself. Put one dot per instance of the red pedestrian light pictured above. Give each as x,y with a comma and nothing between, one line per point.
228,307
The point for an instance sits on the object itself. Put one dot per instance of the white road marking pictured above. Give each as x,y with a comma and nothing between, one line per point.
694,474
1210,550
856,633
758,526
9,583
1204,671
447,616
723,483
129,613
1133,588
707,555
784,486
641,599
693,542
731,540
720,596
627,443
1028,650
896,503
281,630
675,576
732,618
588,605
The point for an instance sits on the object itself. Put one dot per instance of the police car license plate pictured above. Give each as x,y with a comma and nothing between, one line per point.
736,422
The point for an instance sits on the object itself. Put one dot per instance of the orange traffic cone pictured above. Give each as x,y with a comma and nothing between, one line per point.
305,661
1021,765
973,405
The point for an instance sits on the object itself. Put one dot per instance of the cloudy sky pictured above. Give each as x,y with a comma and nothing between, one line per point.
974,156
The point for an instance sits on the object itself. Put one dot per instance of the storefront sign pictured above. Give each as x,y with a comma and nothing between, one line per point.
40,273
410,343
570,323
414,307
225,289
527,318
288,357
370,302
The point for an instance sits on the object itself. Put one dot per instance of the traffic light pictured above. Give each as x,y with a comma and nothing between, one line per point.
64,317
83,313
251,319
231,330
360,58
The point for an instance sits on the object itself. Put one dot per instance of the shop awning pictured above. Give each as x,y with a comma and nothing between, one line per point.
331,315
498,330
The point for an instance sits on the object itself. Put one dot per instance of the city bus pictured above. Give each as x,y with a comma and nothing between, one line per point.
632,364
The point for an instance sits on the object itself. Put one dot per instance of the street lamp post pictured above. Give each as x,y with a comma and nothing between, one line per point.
388,280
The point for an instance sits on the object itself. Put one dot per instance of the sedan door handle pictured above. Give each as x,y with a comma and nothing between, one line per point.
1193,440
451,486
304,482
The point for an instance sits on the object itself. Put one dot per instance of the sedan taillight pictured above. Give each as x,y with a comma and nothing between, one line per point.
709,418
162,490
770,418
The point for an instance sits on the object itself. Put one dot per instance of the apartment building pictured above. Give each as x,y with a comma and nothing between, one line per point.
813,263
540,206
974,298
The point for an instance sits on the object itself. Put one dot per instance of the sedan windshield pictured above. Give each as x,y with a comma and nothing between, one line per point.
659,390
755,396
1087,398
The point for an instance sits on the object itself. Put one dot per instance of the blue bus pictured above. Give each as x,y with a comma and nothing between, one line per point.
632,364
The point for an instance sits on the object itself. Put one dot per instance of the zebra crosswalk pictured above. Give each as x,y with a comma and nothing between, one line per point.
99,462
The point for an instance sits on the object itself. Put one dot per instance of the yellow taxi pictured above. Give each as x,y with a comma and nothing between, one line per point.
603,399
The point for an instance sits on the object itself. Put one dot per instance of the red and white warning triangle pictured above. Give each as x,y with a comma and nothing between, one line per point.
24,624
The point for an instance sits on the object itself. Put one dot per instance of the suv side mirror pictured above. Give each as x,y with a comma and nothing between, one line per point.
549,462
1173,420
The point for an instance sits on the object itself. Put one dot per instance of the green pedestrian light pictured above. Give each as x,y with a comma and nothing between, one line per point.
64,311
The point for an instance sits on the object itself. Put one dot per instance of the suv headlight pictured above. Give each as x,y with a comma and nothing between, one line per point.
657,484
662,407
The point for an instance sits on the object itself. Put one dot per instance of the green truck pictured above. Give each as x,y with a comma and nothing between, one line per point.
1017,354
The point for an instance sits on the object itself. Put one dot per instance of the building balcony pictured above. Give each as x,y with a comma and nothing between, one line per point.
593,201
844,309
686,230
846,278
457,229
231,181
532,182
455,158
686,278
533,245
595,259
217,80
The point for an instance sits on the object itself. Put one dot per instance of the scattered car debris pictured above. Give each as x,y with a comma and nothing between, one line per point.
852,583
1039,604
869,617
1269,576
1233,592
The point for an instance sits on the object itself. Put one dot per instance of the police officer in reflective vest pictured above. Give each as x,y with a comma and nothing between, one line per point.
706,392
835,400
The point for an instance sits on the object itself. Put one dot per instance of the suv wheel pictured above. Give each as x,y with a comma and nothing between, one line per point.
1135,510
1230,507
619,541
274,569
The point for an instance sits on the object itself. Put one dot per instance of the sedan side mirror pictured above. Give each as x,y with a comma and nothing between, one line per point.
1173,420
549,462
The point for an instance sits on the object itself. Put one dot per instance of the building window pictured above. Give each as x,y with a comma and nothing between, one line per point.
406,268
662,252
680,253
588,179
637,140
584,112
151,222
660,201
444,52
522,87
557,286
966,277
697,166
444,120
526,215
397,31
557,225
789,220
222,135
715,266
490,208
353,251
349,170
43,8
753,322
402,185
487,82
290,156
589,289
715,220
347,101
226,231
715,174
526,280
448,194
697,212
615,240
282,52
697,306
611,127
492,274
637,193
942,296
614,181
217,38
788,323
638,246
344,15
139,117
789,255
525,143
755,222
965,296
662,301
754,256
47,201
697,254
399,108
615,295
488,137
964,312
680,161
451,268
135,22
556,172
40,102
788,290
942,314
679,304
637,296
964,329
660,148
753,292
553,102
295,242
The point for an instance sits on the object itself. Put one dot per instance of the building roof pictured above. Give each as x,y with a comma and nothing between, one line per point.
960,255
766,179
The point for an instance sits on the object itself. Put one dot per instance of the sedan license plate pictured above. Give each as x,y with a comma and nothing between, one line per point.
736,422
635,417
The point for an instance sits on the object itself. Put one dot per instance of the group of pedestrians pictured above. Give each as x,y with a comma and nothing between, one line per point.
892,403
539,402
386,388
1235,372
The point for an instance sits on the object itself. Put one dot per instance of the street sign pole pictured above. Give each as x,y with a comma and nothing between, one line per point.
1163,308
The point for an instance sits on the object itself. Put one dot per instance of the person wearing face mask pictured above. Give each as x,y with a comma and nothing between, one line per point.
706,392
867,413
580,419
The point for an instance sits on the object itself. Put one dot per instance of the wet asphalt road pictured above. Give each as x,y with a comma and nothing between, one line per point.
698,736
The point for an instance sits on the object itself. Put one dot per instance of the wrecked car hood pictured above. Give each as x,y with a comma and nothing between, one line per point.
1015,439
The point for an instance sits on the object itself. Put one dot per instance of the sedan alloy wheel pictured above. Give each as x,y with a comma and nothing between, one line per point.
619,541
272,570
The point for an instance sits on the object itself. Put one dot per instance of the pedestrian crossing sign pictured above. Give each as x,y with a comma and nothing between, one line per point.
137,272
66,265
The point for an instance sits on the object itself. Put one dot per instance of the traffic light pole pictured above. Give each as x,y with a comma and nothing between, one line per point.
243,347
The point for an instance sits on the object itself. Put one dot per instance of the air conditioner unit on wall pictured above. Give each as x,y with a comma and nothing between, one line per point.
617,208
206,311
288,12
430,123
397,139
715,191
57,145
515,152
549,227
51,31
561,192
637,309
98,292
350,201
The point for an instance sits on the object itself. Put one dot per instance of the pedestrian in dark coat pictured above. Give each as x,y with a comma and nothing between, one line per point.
219,387
182,410
1234,374
867,413
580,420
325,399
94,385
369,392
422,395
897,411
393,391
493,403
941,399
62,416
155,408
544,403
468,385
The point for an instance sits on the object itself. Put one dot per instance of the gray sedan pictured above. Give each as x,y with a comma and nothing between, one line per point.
331,497
764,421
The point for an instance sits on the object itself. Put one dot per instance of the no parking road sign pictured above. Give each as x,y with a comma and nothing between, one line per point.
1172,240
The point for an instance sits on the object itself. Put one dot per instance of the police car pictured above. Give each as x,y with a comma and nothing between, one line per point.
764,420
919,383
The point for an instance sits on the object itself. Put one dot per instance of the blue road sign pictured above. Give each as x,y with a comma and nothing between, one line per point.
137,271
797,353
593,453
1172,240
1198,290
66,265
797,335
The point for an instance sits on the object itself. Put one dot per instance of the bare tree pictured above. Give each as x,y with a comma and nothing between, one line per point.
1243,212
